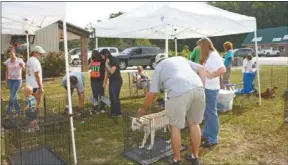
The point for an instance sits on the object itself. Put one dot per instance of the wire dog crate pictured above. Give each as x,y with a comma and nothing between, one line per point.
286,105
49,145
147,139
55,104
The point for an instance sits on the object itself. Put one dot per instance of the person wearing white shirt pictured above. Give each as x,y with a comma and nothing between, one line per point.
212,62
248,64
34,74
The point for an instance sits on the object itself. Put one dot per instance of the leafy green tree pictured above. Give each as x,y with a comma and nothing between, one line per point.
143,42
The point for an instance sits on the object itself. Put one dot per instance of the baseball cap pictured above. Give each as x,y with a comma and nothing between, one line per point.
38,49
159,57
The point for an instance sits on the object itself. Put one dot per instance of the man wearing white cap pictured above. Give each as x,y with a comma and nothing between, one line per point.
34,74
185,99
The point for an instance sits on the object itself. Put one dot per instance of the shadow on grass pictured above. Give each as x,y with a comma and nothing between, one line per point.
132,97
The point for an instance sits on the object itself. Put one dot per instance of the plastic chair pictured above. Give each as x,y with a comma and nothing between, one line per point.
134,89
245,89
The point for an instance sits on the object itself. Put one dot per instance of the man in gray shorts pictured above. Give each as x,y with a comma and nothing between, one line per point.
185,99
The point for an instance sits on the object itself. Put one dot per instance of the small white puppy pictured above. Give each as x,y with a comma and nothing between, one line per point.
150,124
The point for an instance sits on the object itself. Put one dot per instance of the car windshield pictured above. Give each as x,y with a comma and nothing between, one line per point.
126,51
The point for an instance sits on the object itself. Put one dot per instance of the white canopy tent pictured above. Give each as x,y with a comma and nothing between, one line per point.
24,18
177,20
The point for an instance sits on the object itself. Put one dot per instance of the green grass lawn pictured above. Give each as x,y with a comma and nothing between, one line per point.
250,135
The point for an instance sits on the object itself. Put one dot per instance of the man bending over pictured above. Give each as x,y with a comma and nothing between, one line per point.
76,81
185,88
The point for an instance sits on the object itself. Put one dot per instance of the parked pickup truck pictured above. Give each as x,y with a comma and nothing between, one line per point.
269,52
135,56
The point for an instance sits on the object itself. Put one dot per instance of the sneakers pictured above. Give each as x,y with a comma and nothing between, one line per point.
207,144
286,120
102,111
194,161
177,163
95,110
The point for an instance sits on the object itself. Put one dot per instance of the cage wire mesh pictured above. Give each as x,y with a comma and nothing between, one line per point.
273,76
56,103
286,105
147,138
49,145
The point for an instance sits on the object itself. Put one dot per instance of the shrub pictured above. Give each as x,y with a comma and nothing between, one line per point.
53,65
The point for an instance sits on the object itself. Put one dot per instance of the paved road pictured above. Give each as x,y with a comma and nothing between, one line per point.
262,61
273,60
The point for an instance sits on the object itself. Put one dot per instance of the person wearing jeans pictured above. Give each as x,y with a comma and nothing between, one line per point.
114,94
97,77
115,81
13,80
215,68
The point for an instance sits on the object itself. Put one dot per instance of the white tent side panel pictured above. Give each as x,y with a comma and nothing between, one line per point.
48,38
5,42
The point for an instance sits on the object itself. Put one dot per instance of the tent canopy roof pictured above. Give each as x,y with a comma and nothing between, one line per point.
18,17
179,19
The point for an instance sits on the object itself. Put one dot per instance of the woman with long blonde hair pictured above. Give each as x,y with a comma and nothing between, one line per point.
215,68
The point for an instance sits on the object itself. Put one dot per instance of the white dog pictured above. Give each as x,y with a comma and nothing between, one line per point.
150,124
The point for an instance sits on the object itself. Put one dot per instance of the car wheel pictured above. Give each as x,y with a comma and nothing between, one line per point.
267,54
152,64
122,65
75,61
144,66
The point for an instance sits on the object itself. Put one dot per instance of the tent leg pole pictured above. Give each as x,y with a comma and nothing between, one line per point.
258,71
96,43
167,41
28,45
176,49
69,91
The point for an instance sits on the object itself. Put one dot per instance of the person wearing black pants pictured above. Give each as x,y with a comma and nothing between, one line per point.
97,77
115,82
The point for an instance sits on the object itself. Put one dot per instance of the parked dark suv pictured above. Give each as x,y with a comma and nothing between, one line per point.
135,56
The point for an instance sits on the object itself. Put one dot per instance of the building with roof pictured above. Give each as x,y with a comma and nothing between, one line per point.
271,37
48,38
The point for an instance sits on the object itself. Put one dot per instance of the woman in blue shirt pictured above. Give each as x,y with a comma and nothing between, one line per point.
228,47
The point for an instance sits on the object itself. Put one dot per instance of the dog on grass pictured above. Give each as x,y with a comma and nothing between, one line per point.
269,93
149,124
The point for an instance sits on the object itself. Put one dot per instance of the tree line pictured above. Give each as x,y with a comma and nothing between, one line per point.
268,14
